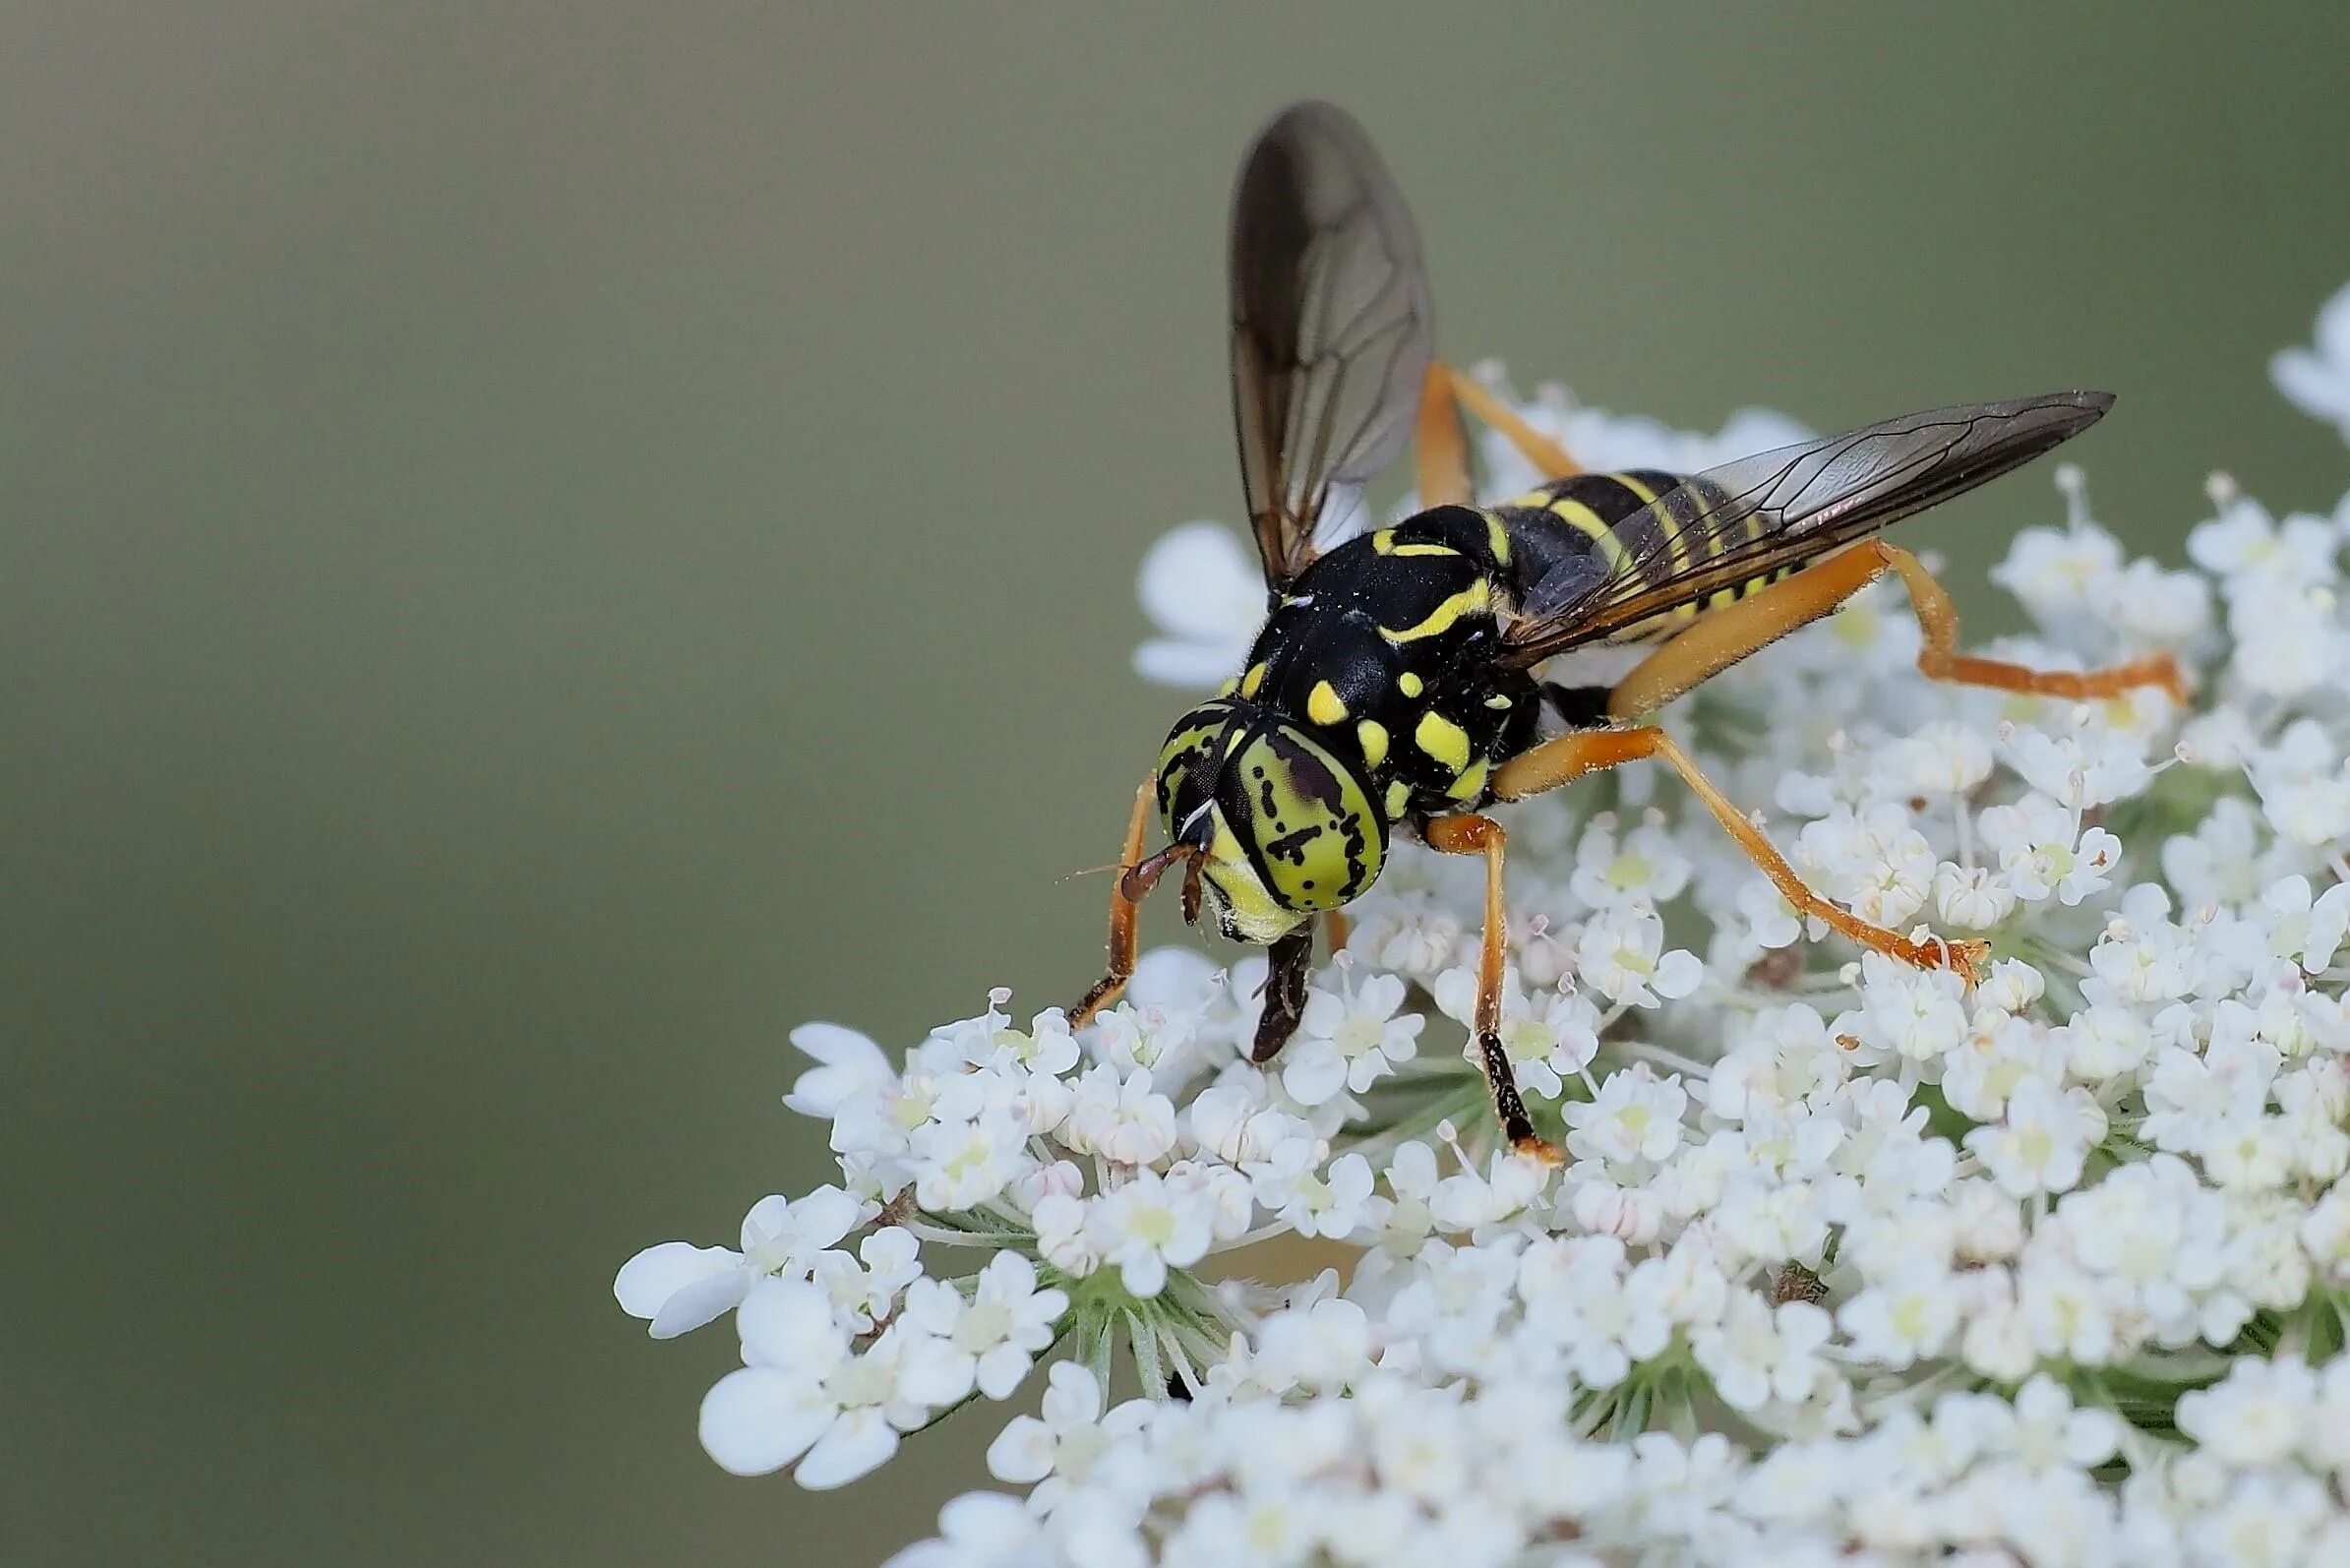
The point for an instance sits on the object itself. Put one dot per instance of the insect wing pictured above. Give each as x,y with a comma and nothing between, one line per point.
1332,332
1732,525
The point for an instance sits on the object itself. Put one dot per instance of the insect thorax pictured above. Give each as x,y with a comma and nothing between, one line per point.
1385,652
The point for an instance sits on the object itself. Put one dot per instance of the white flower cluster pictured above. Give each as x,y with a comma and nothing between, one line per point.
1849,1262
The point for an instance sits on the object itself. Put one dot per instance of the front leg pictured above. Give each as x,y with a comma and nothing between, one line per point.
1123,910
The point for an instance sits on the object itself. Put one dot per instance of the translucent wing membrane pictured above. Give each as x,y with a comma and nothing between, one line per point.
1331,327
1745,520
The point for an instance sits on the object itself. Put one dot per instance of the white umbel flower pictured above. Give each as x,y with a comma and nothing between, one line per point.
988,1342
1201,587
1349,1038
2317,380
1849,1261
678,1287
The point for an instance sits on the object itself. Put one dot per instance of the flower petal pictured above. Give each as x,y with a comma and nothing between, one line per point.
1170,977
2332,336
1199,582
858,1443
757,1421
2309,385
1022,1452
649,1279
1001,1371
850,1065
988,1520
824,1216
790,1323
838,1046
1072,1395
766,1219
933,1372
700,1302
1142,1272
1312,1075
1192,666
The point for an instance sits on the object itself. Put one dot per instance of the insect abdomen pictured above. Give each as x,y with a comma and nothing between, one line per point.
1610,516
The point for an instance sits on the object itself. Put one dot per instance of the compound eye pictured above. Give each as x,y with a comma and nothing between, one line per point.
1188,765
1316,839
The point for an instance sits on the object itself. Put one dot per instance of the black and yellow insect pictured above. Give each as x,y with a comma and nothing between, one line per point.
1396,683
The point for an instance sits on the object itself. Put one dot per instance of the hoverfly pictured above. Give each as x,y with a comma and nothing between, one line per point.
1396,684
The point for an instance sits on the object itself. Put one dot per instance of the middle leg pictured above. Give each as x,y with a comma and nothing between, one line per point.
1337,929
1482,835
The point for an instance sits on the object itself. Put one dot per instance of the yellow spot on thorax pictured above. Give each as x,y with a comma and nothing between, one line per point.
1252,680
1471,780
1442,740
1373,736
1322,704
1408,684
1399,796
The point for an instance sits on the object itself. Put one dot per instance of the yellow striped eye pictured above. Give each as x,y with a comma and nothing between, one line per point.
1286,827
1312,831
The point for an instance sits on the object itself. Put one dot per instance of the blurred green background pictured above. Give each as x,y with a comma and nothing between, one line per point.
543,545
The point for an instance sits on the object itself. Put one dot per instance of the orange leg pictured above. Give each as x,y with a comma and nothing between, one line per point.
1482,835
1123,910
1538,448
1336,928
1722,637
1570,756
1440,445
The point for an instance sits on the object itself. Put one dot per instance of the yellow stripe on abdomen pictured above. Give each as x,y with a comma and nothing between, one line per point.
1667,520
1584,520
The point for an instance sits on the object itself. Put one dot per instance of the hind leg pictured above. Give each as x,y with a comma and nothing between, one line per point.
1722,637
